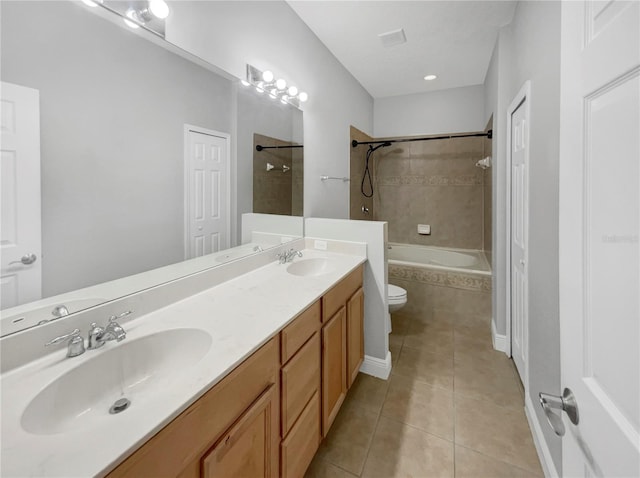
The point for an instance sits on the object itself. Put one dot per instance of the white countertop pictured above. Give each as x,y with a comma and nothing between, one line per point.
240,315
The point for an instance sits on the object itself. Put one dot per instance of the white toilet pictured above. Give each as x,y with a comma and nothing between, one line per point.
397,297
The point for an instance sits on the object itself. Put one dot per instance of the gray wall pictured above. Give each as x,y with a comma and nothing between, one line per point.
530,50
269,35
113,107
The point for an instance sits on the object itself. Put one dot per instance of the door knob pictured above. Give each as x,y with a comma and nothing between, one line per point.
26,259
567,403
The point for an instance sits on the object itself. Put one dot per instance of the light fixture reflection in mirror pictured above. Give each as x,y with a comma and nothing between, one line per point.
264,81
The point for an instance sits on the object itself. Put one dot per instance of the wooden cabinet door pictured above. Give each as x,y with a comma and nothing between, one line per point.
334,367
247,449
355,335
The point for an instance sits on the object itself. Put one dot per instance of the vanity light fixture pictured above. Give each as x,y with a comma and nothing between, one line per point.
137,17
277,88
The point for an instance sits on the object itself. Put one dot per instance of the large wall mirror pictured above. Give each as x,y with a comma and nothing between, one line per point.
119,157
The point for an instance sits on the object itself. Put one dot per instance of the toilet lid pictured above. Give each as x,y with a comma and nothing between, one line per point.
395,292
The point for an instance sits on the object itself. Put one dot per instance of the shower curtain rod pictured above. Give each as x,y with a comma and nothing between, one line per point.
488,134
260,148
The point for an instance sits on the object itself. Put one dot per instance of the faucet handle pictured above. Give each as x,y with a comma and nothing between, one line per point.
76,343
57,340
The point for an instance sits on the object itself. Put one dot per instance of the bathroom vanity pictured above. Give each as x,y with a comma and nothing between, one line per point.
242,379
268,416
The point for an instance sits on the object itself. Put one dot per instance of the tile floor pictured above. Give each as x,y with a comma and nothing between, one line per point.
452,407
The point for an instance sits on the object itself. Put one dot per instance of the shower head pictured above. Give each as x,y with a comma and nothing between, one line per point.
382,145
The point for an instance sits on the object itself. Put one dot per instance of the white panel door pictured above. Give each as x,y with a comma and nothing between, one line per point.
519,234
599,228
20,233
207,193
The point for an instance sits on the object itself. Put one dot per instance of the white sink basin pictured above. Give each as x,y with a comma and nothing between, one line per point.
310,267
138,370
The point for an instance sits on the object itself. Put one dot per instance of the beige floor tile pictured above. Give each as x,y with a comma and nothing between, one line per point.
471,464
437,316
320,468
434,337
477,381
399,324
368,392
499,432
349,438
420,405
475,350
425,366
473,327
398,450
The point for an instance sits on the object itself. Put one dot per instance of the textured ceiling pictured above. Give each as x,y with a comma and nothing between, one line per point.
452,39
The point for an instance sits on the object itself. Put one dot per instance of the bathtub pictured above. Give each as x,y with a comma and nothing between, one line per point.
457,280
438,258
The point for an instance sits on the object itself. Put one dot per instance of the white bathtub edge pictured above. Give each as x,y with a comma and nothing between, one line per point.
499,341
379,368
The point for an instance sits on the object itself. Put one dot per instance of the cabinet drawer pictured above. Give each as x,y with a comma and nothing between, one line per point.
294,335
184,440
340,293
298,449
300,380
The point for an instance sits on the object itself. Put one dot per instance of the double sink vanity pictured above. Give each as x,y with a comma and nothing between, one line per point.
243,378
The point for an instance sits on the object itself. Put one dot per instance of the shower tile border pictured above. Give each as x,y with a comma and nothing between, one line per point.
465,180
456,280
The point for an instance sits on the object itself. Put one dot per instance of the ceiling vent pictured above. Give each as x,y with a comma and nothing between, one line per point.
393,38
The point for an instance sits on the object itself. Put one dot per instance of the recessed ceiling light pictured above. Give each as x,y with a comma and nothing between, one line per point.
430,77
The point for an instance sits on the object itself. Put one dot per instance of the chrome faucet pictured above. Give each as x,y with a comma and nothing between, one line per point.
287,256
76,343
98,336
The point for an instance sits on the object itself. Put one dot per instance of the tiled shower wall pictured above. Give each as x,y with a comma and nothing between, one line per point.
432,182
275,191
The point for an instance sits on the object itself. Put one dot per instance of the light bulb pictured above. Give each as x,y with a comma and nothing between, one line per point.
267,76
244,82
430,77
292,91
303,96
159,8
281,84
131,13
91,3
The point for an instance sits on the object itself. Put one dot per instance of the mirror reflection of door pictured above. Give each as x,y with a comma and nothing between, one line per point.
20,232
277,176
206,191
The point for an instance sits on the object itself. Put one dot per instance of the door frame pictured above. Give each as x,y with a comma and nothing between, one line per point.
187,184
524,95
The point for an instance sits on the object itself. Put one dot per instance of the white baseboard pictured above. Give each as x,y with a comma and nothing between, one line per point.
499,341
380,368
544,454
